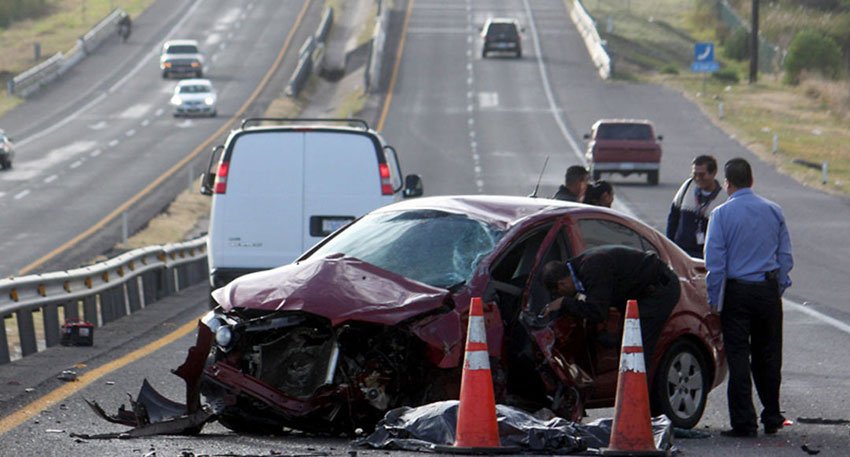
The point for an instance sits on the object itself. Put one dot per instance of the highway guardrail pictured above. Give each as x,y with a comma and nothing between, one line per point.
99,294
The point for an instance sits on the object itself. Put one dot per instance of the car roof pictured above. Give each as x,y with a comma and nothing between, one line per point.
502,20
501,210
622,121
194,82
181,42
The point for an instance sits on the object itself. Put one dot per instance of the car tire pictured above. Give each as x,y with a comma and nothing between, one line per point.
519,53
199,74
484,54
681,385
5,164
652,178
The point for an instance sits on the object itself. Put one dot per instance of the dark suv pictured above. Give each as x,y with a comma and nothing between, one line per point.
502,35
624,146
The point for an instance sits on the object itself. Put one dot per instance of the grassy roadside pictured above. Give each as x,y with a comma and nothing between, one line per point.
810,121
56,32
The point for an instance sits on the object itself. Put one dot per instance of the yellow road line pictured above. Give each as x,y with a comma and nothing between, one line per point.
34,408
399,52
203,146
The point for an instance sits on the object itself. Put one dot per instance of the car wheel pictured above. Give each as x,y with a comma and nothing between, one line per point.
483,53
5,163
681,385
214,113
199,74
652,178
519,53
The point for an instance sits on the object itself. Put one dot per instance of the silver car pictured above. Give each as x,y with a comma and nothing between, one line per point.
194,97
181,58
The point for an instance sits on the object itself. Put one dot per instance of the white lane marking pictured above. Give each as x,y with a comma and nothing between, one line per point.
556,113
76,164
835,323
158,112
187,123
137,111
130,132
61,123
25,171
146,122
488,99
437,30
95,153
22,194
99,126
50,179
113,143
2,194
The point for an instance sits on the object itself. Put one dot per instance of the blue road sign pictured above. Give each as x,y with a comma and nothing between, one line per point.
704,58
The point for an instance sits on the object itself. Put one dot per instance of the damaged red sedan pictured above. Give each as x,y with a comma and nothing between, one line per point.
373,318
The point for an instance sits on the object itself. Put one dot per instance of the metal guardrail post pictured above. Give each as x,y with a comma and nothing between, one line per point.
51,324
90,310
26,332
4,343
134,300
71,310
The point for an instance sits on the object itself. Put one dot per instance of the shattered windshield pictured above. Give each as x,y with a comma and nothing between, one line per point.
434,247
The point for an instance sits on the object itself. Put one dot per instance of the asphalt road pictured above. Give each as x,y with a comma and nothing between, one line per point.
104,135
472,125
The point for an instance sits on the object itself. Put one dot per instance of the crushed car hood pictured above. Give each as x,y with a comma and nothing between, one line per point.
338,288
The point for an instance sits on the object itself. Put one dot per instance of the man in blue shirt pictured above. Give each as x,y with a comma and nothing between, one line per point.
748,258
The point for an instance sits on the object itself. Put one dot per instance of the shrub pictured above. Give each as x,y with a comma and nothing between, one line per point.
727,75
670,69
737,45
15,10
813,51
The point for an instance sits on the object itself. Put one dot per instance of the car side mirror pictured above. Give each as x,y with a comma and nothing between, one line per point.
413,186
660,137
586,136
205,180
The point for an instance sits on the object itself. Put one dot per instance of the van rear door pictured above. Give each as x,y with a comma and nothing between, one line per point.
256,223
342,181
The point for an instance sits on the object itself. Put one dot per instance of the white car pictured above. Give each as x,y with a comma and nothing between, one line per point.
194,97
181,58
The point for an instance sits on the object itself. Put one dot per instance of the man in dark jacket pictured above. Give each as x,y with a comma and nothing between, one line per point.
687,221
575,183
608,276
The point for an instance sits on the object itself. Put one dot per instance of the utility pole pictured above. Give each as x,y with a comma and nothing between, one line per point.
754,44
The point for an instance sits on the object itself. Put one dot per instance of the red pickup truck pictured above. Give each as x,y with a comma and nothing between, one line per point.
624,146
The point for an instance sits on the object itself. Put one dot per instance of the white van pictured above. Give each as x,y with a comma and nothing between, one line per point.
279,189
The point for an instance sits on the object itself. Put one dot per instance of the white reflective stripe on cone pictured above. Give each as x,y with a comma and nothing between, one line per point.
632,361
476,360
476,330
631,334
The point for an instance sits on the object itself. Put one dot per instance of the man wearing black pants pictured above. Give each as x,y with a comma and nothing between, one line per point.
748,258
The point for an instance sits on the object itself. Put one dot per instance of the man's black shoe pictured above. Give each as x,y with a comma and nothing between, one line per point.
771,429
739,433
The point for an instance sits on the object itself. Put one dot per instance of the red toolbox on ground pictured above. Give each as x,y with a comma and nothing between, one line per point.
77,333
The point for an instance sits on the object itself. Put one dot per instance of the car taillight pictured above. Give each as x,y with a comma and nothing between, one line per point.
386,185
220,185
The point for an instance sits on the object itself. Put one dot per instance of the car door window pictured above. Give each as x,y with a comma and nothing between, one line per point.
601,232
509,275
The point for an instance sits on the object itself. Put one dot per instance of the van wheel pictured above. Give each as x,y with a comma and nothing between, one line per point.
652,178
681,385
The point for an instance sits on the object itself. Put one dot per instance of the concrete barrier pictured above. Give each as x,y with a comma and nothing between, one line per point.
595,45
35,78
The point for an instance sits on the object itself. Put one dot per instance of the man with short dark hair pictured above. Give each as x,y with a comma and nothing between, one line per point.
748,258
687,221
575,183
606,276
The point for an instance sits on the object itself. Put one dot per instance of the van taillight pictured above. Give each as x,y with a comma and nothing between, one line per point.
386,184
220,185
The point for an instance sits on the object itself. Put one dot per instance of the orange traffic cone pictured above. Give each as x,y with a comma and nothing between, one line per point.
631,432
476,414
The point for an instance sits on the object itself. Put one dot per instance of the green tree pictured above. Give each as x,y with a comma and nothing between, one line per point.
813,51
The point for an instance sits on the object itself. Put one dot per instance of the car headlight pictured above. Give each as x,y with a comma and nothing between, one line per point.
224,337
176,100
209,100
